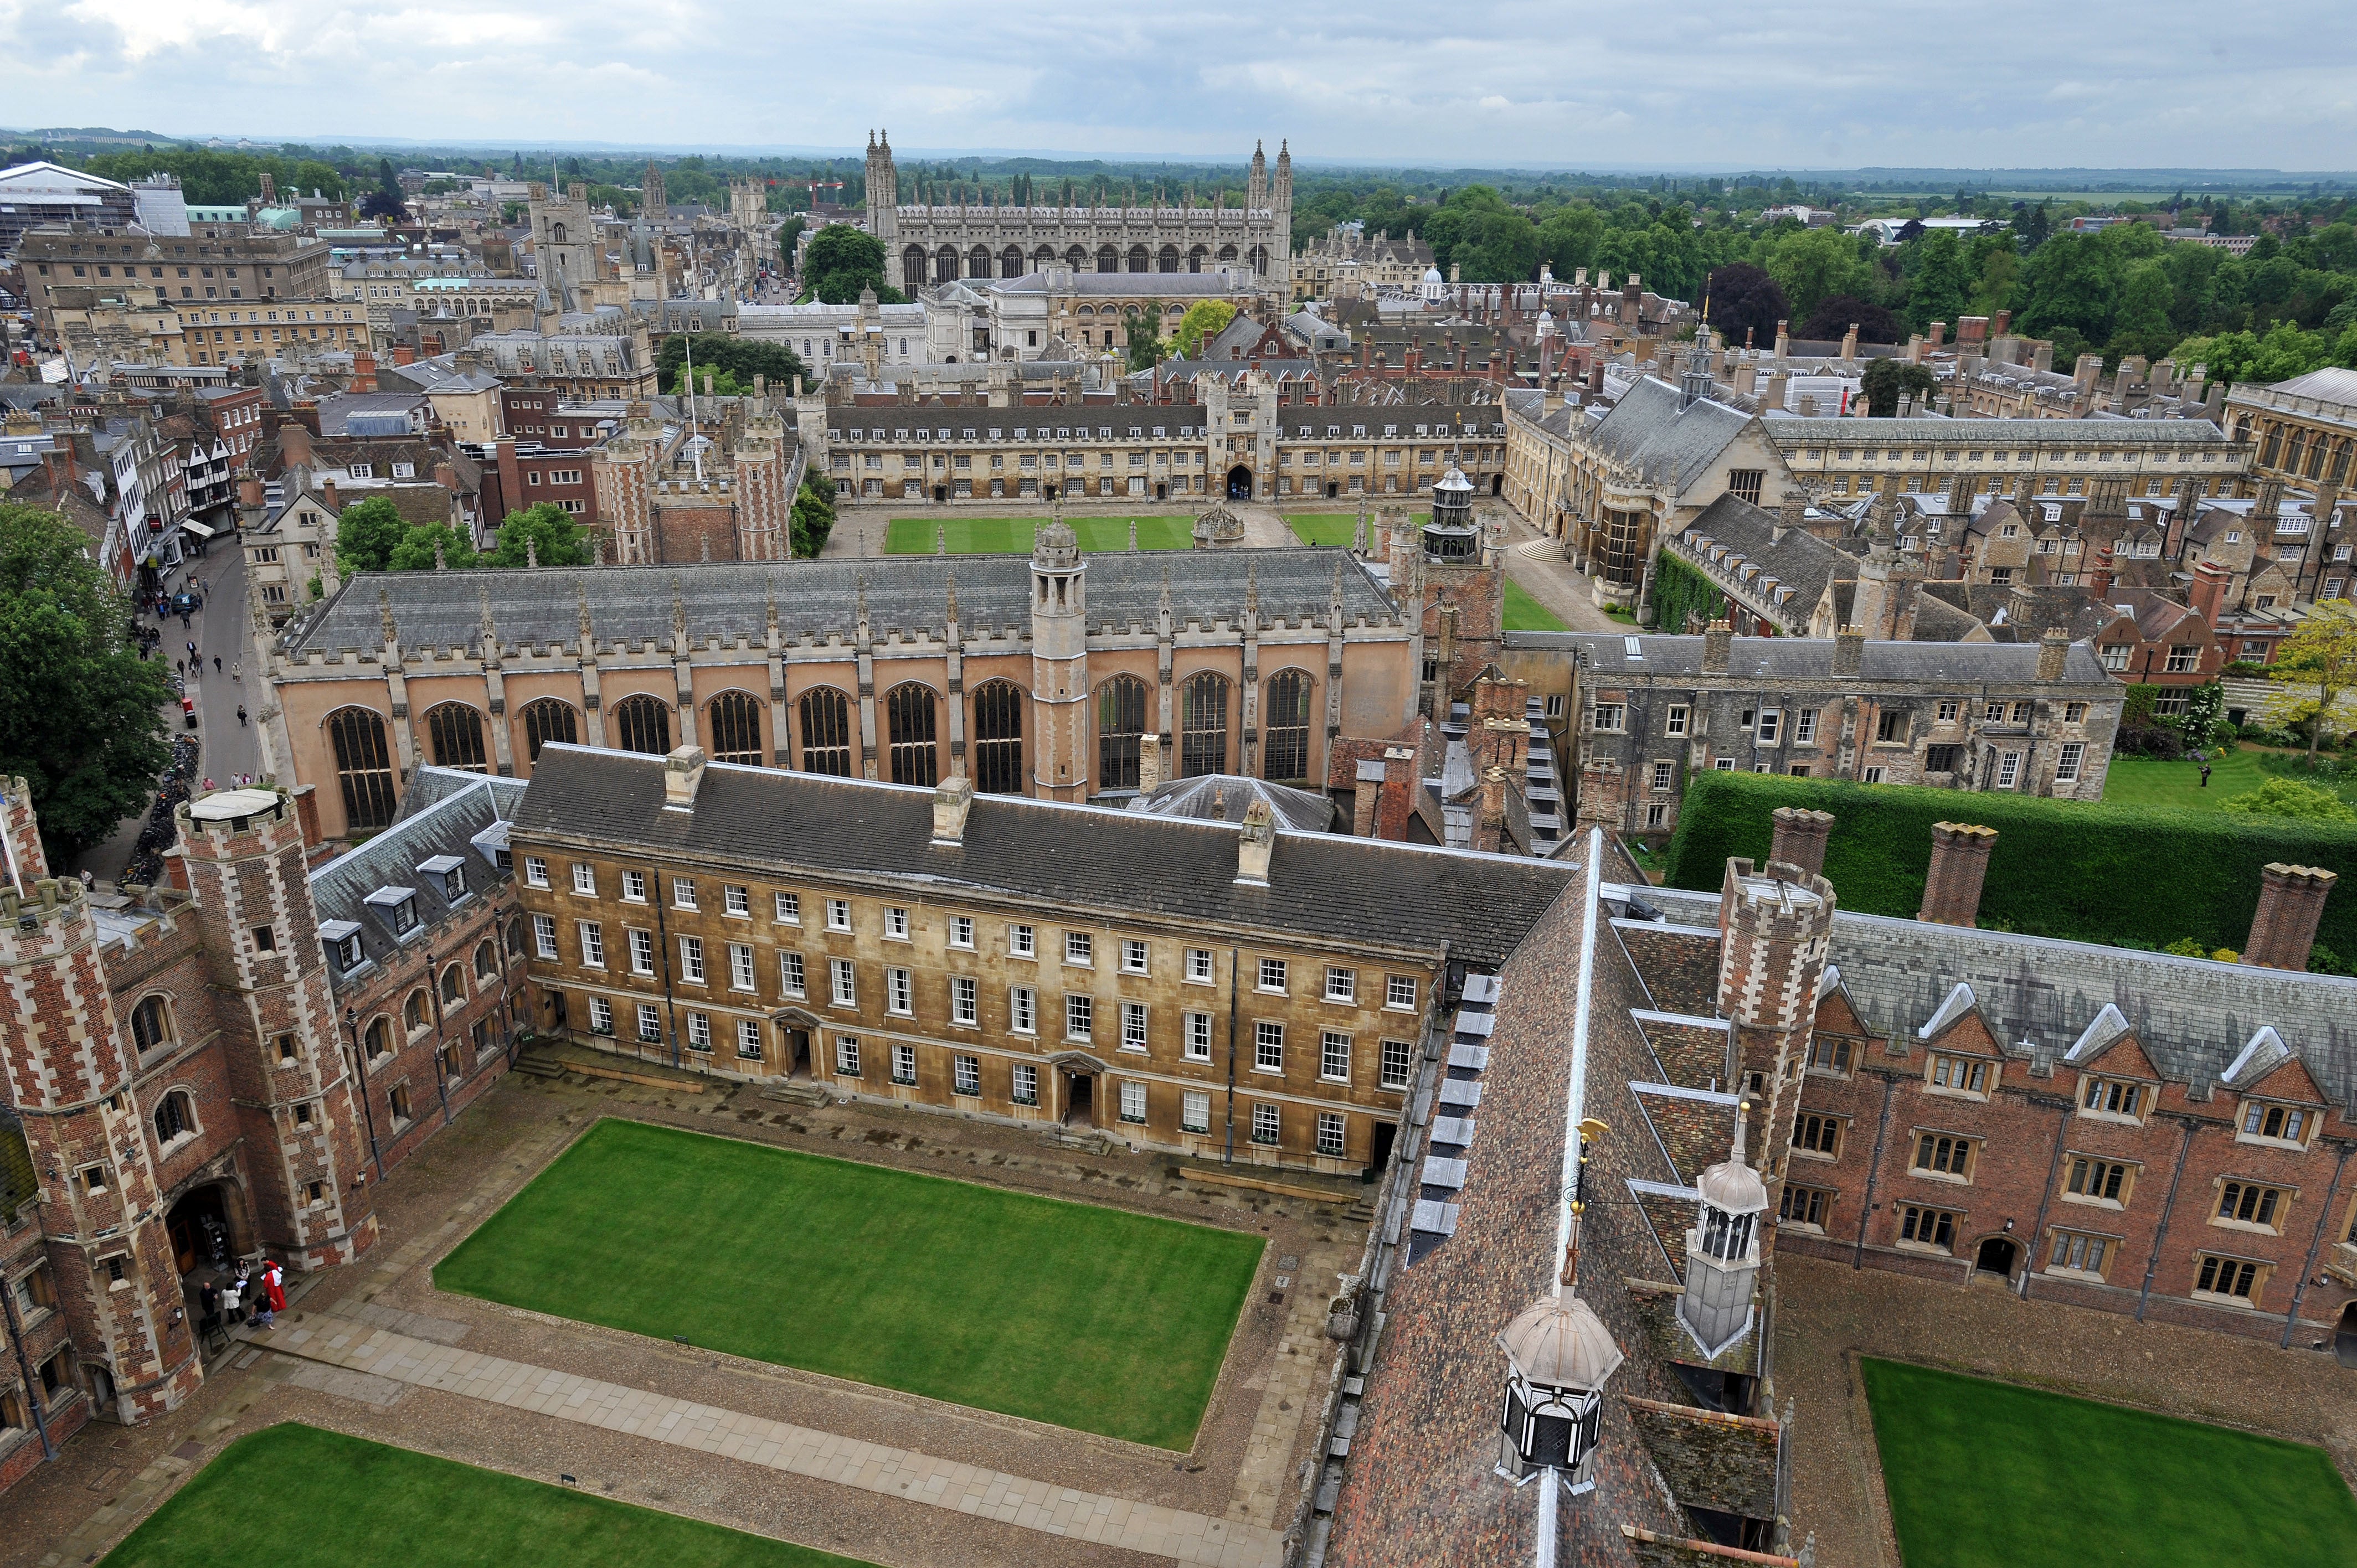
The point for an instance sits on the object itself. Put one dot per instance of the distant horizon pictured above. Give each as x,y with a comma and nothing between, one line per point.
1804,87
1967,173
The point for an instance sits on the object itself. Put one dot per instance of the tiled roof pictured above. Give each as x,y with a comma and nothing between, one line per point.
1810,657
1797,432
1648,432
1324,888
458,806
730,600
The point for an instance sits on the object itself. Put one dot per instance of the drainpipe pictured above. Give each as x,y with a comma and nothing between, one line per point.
2053,1175
662,941
1233,957
434,994
2168,1205
368,1111
1873,1171
24,1365
2316,1245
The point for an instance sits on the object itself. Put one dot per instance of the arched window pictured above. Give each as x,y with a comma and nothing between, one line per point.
1011,264
2339,465
487,962
1203,726
1285,724
176,1117
978,259
1108,259
732,720
908,728
515,936
556,233
418,1011
1076,258
454,986
1227,254
380,1037
945,264
151,1024
2267,447
1138,261
549,720
454,731
363,768
644,724
1194,258
913,266
1120,725
2299,448
999,738
1167,261
1260,260
827,732
1043,258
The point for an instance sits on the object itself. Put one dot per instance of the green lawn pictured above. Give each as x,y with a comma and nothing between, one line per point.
1012,535
1524,613
1982,1473
1326,528
2149,781
1066,1312
296,1496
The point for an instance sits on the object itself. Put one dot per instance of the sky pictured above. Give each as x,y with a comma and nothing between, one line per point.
1734,84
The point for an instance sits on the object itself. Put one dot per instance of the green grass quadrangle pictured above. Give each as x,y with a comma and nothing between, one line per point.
298,1497
1012,535
1082,1316
1329,528
1524,613
1981,1473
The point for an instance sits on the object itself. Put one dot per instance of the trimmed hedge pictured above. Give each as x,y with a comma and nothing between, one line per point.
2129,877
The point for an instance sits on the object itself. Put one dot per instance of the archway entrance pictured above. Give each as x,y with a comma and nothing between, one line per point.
1496,484
1239,483
1080,1100
2344,1344
1332,489
1996,1257
1161,491
941,492
199,1231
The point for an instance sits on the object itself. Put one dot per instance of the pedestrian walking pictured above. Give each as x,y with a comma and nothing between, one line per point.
241,715
192,646
269,1296
237,674
217,664
209,1302
180,666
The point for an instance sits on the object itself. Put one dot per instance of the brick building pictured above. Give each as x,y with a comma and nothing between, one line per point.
191,273
223,1069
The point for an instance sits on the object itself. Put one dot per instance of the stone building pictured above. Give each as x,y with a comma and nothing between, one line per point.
716,482
223,1069
942,244
1344,261
1004,958
1649,712
188,272
1038,676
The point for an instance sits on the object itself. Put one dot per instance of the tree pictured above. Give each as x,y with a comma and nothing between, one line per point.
554,538
385,200
1567,237
813,516
81,713
367,535
1204,318
415,552
1814,265
1937,277
2292,798
840,262
1888,379
2315,667
743,358
1833,318
1745,299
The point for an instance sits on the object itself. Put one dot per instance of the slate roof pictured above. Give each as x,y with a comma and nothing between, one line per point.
2332,384
2192,1015
1810,657
1226,797
1648,431
1800,561
1798,431
1323,886
457,807
728,599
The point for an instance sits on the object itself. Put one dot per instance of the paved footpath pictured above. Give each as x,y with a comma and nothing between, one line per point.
340,1340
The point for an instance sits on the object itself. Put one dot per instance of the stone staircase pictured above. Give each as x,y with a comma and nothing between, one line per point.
799,1091
1085,1140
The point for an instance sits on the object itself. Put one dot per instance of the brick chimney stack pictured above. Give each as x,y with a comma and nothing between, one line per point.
2208,594
1718,646
1800,840
1398,802
2291,904
2099,581
2054,653
1952,890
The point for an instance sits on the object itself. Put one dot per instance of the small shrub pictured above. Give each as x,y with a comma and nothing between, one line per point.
2293,798
2185,947
2227,955
2149,740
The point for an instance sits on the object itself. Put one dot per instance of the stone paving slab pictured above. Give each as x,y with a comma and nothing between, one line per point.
385,1355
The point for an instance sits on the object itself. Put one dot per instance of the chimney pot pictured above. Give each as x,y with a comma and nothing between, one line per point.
683,774
1952,890
2292,905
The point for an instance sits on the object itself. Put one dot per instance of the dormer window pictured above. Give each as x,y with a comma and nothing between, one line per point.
2266,1124
397,908
342,939
452,873
2113,1097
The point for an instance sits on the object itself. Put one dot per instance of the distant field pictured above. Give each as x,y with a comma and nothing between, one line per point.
1012,535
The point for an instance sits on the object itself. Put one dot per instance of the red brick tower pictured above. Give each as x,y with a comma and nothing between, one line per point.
1775,926
70,1069
244,849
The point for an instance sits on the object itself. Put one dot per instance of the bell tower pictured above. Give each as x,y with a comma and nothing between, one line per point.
1059,662
1723,1251
883,207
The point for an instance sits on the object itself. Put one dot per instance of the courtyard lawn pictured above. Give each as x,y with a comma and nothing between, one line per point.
1083,1316
1524,613
2149,781
1981,1473
296,1496
1325,527
1012,535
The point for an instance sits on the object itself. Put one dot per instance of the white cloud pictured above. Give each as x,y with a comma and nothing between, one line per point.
1786,82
